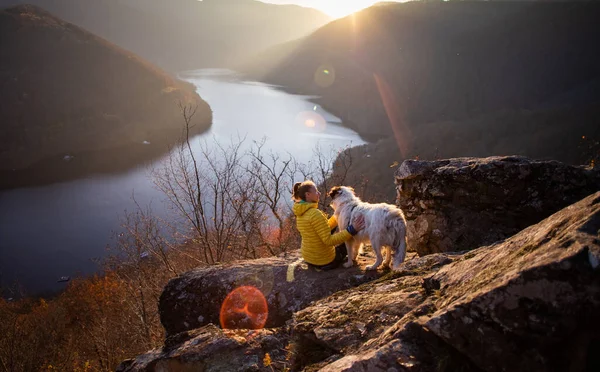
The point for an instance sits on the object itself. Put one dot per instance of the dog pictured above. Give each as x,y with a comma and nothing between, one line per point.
385,226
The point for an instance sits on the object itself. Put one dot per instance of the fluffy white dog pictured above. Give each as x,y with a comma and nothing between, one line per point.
385,226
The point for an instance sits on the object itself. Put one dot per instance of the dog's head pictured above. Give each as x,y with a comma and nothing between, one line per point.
340,195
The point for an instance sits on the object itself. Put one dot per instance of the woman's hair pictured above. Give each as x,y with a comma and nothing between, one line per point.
301,188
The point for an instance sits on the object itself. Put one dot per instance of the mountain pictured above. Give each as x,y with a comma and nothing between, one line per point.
434,80
66,92
187,34
444,79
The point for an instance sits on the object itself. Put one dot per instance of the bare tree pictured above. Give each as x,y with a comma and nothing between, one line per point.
232,200
273,175
211,195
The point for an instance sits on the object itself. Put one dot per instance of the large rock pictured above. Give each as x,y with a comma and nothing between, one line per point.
530,303
348,324
464,203
194,299
213,349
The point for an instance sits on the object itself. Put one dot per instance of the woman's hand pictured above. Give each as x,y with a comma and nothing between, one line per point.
359,222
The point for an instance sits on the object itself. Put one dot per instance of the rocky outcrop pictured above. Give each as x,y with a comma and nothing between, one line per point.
464,203
212,349
194,299
529,303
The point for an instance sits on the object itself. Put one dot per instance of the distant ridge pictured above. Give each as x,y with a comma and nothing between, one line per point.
458,78
443,60
187,34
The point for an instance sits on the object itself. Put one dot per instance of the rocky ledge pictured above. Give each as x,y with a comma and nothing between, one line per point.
464,203
195,298
529,302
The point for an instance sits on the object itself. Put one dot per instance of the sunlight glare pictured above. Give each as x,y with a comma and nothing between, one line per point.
339,9
333,8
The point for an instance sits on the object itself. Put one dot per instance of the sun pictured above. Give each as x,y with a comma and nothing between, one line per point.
333,8
342,8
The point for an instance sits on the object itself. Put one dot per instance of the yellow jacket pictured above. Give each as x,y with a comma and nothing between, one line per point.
318,244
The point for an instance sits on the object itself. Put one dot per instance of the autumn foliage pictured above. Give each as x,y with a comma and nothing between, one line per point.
89,327
237,206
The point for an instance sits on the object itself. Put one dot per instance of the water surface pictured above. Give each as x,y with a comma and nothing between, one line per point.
56,230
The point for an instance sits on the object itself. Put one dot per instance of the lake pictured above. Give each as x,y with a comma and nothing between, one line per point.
62,229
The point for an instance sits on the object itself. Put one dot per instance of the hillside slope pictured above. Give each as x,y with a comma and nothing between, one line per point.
67,92
187,34
454,79
442,61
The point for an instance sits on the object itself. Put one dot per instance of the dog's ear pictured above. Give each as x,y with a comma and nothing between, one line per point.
334,191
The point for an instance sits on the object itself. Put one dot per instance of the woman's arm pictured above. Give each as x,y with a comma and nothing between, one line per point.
320,224
332,222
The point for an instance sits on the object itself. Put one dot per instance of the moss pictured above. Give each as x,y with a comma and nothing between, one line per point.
526,250
399,274
337,321
469,255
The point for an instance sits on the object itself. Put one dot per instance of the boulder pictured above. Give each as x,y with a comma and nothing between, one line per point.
347,325
195,298
464,203
212,349
527,303
530,303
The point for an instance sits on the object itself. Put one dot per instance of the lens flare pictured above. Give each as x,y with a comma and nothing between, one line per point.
395,114
244,308
312,121
325,75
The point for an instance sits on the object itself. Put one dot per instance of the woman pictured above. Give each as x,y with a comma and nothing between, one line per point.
318,243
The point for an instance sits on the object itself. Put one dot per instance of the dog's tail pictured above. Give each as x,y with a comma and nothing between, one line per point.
398,225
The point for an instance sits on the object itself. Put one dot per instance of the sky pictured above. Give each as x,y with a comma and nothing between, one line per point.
334,8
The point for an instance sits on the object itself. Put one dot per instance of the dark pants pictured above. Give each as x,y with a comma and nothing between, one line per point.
340,255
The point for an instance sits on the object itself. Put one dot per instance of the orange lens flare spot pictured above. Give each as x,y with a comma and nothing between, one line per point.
312,120
244,308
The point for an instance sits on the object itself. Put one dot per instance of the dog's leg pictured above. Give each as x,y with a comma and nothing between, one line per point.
377,249
358,248
351,253
388,256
